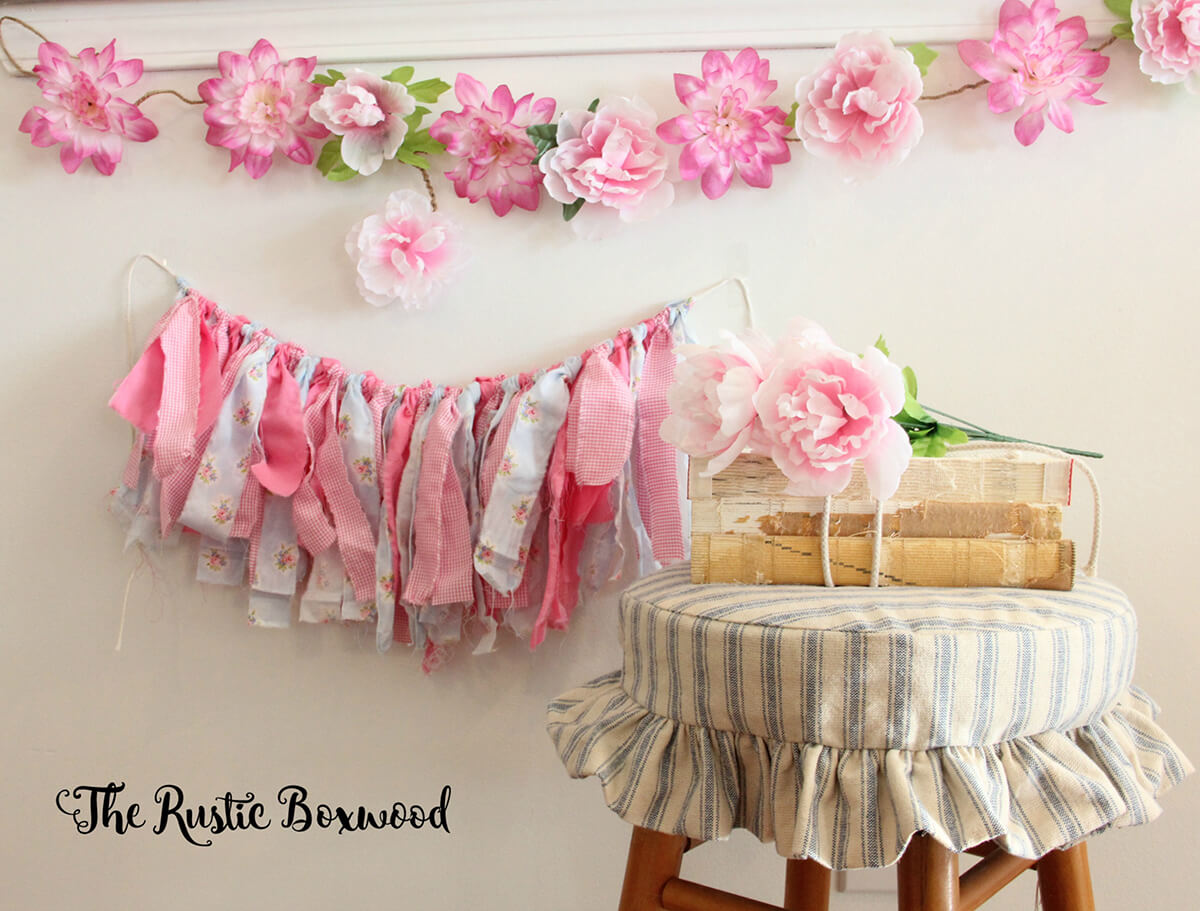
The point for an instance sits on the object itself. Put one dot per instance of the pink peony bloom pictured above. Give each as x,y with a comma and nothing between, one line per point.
823,408
1036,63
368,113
611,158
258,105
730,127
405,253
860,107
712,398
494,151
1168,34
81,111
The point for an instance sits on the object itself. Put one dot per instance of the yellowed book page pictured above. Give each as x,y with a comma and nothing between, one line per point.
951,562
927,519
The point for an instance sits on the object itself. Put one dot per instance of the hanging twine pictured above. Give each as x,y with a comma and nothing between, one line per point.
4,47
428,187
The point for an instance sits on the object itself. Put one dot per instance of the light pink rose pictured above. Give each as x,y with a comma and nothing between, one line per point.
611,158
368,113
1168,34
822,409
712,398
404,253
859,108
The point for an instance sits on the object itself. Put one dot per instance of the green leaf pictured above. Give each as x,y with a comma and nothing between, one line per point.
951,435
330,163
914,412
923,56
572,209
543,131
322,79
910,381
1121,9
790,120
543,147
428,90
414,119
420,142
595,104
408,157
400,74
882,346
1123,30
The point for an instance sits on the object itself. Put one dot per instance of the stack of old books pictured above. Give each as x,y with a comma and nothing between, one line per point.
967,519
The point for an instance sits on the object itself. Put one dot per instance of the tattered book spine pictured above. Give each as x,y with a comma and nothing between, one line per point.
943,562
965,520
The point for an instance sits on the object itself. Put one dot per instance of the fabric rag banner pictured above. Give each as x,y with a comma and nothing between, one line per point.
437,513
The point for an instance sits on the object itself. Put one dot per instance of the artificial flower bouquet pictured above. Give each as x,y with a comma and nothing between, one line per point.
813,464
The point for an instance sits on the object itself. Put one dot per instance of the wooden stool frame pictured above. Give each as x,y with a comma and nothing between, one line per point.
927,879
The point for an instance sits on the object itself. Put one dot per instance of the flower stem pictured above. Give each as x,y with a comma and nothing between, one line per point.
977,433
168,92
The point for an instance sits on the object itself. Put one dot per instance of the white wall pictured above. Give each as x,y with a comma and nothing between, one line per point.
1046,291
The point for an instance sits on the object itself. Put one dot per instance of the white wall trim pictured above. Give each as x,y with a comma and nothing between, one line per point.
183,35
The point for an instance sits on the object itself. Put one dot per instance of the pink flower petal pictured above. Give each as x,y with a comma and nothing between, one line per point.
887,460
716,179
127,72
1029,126
469,91
263,56
71,155
257,165
1060,115
979,57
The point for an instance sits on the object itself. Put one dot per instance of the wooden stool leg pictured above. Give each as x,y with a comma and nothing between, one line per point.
1066,881
654,858
927,876
806,887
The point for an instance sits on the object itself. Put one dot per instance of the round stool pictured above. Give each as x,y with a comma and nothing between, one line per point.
848,724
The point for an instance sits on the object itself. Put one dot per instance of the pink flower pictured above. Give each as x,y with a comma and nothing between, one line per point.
1168,34
259,105
405,253
729,127
494,151
712,398
612,158
81,112
368,112
1036,63
860,107
823,408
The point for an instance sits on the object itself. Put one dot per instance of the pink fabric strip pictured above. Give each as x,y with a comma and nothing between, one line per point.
440,528
351,526
314,530
281,429
175,488
655,467
601,418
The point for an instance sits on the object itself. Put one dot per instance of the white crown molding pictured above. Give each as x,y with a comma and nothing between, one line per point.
186,35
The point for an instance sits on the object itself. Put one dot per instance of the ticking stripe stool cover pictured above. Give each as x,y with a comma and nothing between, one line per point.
839,722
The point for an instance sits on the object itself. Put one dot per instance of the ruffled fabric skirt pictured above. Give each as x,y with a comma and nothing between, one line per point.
856,808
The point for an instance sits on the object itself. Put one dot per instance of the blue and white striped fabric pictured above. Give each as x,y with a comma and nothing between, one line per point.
838,722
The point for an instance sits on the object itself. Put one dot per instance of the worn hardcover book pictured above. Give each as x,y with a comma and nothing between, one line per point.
953,562
926,519
968,477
